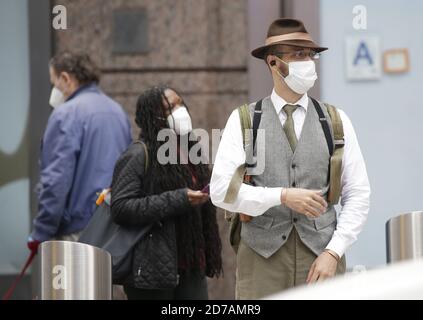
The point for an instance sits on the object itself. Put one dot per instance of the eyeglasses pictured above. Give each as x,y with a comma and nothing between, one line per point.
300,54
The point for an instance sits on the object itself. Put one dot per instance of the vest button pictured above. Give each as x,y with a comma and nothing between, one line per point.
283,237
294,166
293,184
295,220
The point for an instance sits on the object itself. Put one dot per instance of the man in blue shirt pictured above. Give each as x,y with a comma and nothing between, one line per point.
86,133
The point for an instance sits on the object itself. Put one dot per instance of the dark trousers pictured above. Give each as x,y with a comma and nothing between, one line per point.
190,287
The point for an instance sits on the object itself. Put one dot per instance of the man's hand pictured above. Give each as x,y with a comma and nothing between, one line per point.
307,202
322,268
197,197
33,244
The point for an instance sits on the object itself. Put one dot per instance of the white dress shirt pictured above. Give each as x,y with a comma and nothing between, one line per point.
255,200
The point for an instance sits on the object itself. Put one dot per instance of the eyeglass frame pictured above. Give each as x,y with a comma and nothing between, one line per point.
315,53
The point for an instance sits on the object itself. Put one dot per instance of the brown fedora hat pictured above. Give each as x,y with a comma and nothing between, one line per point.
287,32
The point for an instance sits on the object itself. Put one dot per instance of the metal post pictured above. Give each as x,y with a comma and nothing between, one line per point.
404,237
75,271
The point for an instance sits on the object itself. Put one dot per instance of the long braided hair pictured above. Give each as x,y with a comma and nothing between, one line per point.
200,229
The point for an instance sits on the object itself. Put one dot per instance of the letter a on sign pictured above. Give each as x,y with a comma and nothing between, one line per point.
363,60
363,53
59,281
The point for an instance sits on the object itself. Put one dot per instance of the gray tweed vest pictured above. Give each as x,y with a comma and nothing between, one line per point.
306,168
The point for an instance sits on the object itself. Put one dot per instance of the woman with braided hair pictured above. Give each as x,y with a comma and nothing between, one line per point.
183,246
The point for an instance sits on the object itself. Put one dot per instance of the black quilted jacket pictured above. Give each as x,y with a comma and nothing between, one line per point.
155,256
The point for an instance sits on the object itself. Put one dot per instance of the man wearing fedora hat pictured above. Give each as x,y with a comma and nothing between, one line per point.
291,233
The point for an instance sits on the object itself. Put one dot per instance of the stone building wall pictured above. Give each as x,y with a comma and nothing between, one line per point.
199,47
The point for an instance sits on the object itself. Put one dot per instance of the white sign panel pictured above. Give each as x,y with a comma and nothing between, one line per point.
363,57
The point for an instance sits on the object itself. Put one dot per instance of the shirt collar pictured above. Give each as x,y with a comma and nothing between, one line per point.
279,102
85,87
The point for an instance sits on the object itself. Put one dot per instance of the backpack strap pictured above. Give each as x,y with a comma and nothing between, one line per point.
250,163
256,123
338,129
239,174
336,159
245,120
335,146
325,125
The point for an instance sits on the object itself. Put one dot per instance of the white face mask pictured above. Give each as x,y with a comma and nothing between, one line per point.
301,77
56,97
180,121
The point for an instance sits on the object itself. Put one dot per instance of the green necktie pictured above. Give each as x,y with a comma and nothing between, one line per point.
288,127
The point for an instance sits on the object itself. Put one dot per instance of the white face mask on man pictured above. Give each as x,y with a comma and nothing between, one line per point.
180,121
56,97
301,77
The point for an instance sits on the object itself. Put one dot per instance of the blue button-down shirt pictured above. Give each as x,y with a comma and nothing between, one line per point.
83,139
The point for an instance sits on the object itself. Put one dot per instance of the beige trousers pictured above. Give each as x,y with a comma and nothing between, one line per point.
258,277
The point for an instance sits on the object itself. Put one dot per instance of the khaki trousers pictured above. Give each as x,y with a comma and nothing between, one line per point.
258,277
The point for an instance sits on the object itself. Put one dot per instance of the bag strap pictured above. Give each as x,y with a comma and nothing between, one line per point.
336,148
256,123
104,196
338,130
146,160
336,159
245,120
239,174
324,124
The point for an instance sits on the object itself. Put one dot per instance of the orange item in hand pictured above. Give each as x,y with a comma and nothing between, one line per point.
102,196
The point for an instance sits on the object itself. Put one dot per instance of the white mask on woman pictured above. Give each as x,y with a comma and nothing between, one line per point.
56,97
301,77
180,121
